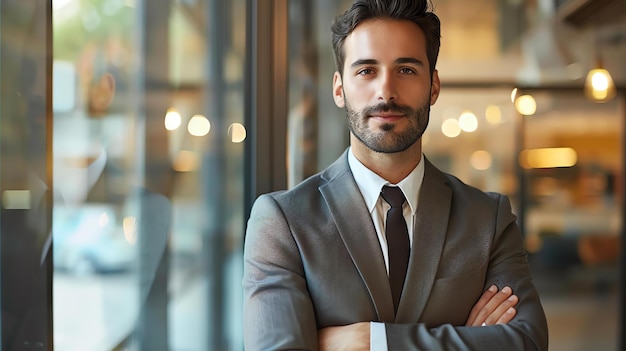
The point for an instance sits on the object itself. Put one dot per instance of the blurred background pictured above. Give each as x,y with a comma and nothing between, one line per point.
135,135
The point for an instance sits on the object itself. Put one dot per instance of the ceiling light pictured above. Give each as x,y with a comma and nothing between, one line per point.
526,105
599,85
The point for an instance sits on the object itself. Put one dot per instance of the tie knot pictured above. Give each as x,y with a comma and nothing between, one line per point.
393,195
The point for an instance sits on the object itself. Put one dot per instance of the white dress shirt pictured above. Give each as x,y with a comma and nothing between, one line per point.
370,184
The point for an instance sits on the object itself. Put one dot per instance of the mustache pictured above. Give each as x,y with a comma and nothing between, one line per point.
388,107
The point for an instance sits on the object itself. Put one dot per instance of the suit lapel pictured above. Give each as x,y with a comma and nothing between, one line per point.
357,231
428,239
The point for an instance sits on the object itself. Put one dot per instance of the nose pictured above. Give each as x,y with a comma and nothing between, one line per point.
387,90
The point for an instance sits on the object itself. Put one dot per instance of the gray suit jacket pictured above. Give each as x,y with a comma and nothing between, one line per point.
312,260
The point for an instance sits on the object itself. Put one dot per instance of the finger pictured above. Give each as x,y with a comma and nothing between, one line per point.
507,316
492,305
500,313
484,299
484,307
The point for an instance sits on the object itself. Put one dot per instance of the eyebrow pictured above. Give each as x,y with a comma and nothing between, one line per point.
410,60
401,60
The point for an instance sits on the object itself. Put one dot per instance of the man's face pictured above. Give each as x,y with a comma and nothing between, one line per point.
386,86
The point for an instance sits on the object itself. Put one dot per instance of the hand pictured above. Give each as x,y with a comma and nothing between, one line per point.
493,307
348,337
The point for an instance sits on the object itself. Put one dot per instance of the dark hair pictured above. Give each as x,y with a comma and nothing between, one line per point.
416,11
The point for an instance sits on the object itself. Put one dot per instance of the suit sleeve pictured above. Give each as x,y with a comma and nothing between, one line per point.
277,311
508,265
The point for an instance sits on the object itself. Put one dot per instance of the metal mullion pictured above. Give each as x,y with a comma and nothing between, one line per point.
26,169
267,96
622,260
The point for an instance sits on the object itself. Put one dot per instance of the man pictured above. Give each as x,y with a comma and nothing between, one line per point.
319,269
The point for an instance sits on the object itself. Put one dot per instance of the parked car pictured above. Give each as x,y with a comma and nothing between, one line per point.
89,238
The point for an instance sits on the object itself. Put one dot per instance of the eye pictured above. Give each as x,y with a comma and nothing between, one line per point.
365,71
407,70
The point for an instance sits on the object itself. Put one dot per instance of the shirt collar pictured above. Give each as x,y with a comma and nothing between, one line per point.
370,183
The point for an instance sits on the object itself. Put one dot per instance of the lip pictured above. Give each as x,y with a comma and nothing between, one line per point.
387,117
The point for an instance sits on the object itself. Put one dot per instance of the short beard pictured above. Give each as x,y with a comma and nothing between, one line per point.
387,140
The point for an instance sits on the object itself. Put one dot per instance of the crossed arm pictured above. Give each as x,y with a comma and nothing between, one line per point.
493,307
279,295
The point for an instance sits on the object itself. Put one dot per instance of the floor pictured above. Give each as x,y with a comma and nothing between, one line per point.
581,306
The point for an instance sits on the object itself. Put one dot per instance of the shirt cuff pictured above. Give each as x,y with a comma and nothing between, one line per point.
378,337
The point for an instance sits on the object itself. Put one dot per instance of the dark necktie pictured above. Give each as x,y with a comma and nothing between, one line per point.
398,245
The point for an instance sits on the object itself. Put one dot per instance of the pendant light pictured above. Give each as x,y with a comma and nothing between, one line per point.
599,85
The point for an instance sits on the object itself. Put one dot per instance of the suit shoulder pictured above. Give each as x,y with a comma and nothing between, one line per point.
307,189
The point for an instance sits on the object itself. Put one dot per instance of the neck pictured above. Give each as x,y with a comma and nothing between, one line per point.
392,167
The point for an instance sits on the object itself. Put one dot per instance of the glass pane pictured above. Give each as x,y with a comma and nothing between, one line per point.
303,116
317,132
141,158
95,246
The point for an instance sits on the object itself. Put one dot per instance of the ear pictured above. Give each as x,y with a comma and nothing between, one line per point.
435,87
338,90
